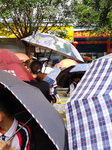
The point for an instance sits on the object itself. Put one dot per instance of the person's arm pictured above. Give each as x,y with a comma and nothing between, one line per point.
4,145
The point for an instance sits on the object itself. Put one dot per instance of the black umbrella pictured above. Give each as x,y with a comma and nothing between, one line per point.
47,123
64,77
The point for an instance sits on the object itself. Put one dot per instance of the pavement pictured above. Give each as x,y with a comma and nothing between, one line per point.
61,92
61,107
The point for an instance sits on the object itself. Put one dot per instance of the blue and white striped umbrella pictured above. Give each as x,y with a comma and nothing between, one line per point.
89,109
51,77
80,68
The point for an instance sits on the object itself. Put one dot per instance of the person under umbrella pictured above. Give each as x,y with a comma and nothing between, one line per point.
74,81
54,94
35,70
9,125
46,123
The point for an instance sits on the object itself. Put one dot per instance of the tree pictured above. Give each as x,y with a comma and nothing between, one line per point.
24,18
94,13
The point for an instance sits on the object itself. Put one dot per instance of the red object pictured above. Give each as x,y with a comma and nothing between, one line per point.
75,43
22,56
88,34
87,58
10,63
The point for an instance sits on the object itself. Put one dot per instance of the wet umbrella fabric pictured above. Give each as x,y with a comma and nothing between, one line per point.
11,64
87,58
22,56
64,77
57,45
37,105
89,109
80,68
65,63
51,77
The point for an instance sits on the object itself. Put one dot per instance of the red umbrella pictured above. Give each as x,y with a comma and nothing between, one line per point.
87,58
10,62
22,56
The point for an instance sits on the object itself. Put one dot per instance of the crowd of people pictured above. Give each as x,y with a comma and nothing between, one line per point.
8,125
49,92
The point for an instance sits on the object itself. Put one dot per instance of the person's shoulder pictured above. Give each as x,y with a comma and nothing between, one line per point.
46,83
32,82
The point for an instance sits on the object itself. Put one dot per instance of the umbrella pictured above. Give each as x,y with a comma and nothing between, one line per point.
46,117
65,63
11,64
87,58
80,68
22,56
64,77
89,109
57,45
51,77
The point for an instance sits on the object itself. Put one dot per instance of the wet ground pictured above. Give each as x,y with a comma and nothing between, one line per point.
61,107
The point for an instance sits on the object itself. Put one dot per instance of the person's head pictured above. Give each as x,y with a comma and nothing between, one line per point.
7,102
75,78
35,66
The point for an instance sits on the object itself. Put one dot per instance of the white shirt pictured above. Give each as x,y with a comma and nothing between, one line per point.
72,87
15,141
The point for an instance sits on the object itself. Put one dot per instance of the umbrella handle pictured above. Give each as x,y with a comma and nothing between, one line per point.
19,129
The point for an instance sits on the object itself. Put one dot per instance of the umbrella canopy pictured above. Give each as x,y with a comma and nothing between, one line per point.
65,63
11,63
57,45
38,106
22,56
89,109
87,58
80,68
51,77
64,77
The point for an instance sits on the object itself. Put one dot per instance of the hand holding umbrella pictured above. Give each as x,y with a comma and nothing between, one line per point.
47,118
4,145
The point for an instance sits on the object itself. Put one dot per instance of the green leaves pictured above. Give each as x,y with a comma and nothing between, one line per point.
23,18
94,13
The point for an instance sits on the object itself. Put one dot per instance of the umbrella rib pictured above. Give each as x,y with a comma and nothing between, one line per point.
19,129
19,113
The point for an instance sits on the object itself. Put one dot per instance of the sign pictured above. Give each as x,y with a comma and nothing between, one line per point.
66,32
88,34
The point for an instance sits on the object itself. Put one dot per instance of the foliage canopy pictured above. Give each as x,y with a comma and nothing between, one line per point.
94,13
23,18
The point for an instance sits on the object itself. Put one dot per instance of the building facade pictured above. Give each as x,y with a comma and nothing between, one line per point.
90,44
